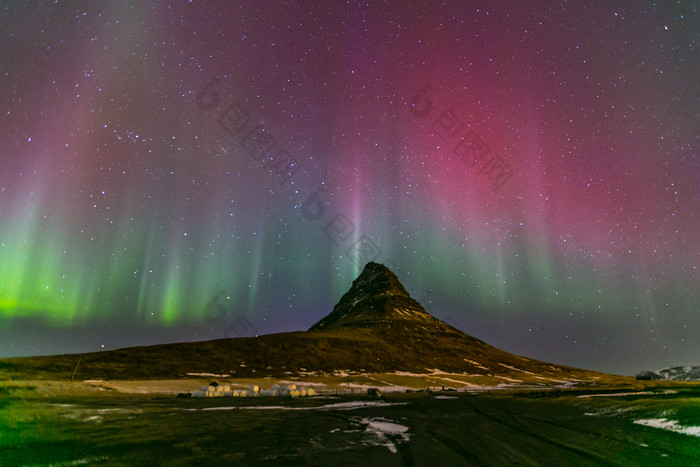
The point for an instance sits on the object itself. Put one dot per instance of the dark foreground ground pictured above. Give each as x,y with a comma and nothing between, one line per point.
401,429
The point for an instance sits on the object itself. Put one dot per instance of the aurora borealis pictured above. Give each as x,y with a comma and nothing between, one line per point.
193,170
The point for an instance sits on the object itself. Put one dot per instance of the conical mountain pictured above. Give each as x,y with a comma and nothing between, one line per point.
377,298
376,327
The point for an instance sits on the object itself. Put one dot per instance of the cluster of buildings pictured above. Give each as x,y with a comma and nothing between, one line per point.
219,390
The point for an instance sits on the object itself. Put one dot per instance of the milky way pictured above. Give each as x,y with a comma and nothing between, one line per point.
223,169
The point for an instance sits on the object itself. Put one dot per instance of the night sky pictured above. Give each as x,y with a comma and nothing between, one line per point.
198,170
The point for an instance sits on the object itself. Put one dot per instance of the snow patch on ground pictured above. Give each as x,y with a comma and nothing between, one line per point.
611,412
517,369
509,367
386,432
337,406
669,425
358,405
210,375
461,383
90,414
94,460
476,364
553,380
623,394
432,372
508,379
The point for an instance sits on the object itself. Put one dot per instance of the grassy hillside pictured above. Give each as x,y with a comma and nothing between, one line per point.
377,350
376,327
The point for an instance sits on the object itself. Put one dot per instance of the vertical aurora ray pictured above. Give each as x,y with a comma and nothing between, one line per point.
254,269
147,286
127,200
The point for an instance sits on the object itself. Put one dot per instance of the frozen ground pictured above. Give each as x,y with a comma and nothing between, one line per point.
338,383
450,428
670,425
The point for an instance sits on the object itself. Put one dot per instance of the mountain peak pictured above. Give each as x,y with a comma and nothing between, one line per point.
376,297
381,279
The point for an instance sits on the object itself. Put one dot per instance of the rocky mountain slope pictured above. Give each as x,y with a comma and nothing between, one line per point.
678,373
377,299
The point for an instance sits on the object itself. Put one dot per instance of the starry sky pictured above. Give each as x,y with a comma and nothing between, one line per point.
180,171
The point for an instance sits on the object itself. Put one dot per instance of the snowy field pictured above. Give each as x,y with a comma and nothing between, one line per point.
441,428
341,383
